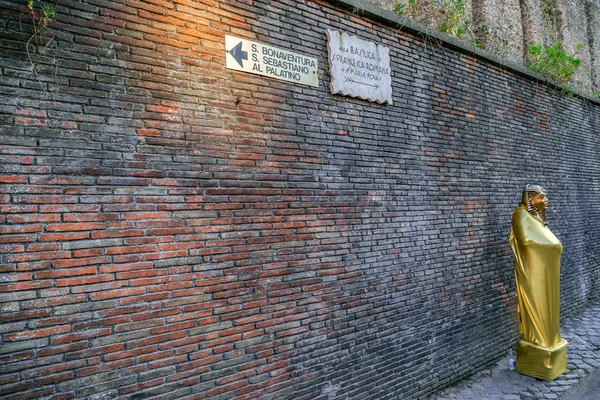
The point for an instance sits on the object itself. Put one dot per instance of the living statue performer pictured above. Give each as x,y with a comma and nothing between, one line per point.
541,352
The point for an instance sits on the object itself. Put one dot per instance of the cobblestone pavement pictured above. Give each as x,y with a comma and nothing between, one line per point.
499,383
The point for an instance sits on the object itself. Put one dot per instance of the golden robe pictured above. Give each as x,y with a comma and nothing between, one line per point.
540,352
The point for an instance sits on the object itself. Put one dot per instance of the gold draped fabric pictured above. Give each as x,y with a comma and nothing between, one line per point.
537,273
541,352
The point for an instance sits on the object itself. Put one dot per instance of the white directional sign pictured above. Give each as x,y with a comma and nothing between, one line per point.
359,68
257,58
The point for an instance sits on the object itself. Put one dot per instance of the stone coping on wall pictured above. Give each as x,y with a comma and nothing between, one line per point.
367,9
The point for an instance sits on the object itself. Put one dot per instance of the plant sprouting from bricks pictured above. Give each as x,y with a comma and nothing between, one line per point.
553,62
41,16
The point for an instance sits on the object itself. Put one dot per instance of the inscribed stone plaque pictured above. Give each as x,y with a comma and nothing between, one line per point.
359,68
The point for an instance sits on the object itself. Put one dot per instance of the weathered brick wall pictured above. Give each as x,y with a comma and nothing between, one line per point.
173,229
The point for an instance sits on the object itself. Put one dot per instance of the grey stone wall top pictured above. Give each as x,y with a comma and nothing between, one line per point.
366,9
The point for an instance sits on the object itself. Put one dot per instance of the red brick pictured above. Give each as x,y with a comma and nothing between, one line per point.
31,112
53,301
13,209
83,326
170,287
59,237
130,249
116,365
78,262
200,362
168,361
74,337
15,357
83,281
146,298
74,227
43,247
227,388
176,344
235,377
145,273
68,348
52,379
122,310
69,208
31,121
116,234
25,315
31,218
164,255
65,272
13,229
130,353
140,386
111,294
162,338
17,387
110,268
17,238
37,333
24,286
89,217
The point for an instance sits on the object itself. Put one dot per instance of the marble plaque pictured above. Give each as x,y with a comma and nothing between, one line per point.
359,68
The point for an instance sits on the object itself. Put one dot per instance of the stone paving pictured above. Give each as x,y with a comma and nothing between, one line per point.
499,383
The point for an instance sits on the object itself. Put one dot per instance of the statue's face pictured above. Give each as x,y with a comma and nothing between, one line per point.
540,202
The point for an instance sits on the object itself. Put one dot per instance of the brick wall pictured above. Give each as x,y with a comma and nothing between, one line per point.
173,229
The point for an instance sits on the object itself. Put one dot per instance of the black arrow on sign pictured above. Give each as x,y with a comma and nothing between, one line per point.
360,83
238,54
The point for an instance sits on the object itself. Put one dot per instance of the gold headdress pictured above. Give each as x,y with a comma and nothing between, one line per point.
530,193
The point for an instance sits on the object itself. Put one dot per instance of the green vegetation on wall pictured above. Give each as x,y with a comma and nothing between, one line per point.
451,17
41,15
447,16
553,62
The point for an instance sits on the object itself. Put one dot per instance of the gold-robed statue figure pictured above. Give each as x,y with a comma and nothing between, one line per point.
541,352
